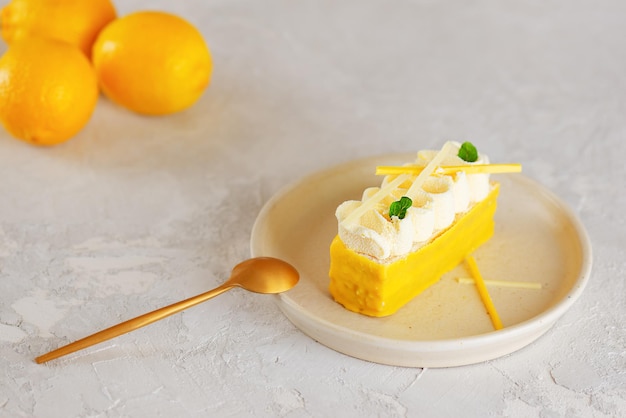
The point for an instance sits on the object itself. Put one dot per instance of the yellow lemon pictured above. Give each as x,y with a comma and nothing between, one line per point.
77,22
48,90
152,63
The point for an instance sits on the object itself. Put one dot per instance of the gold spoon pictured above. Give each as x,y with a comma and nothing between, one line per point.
260,275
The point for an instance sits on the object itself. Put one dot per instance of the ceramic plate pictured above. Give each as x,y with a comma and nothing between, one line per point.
537,239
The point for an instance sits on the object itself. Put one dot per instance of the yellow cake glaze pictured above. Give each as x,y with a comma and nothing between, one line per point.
365,285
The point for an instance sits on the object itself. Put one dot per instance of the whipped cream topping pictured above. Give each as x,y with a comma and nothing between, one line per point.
435,206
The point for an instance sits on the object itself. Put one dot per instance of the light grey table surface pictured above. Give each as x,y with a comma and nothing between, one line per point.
137,212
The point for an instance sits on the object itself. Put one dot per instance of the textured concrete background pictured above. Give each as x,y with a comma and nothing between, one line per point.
138,212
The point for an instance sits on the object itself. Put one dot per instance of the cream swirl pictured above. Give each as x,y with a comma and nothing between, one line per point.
434,208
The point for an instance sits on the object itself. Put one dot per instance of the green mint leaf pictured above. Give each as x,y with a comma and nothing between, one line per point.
468,152
399,207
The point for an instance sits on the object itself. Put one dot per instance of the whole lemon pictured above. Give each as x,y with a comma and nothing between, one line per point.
77,22
48,90
153,63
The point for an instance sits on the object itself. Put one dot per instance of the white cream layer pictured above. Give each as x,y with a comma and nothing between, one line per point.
434,208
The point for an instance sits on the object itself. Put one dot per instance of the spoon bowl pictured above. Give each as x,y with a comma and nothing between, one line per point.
264,275
259,275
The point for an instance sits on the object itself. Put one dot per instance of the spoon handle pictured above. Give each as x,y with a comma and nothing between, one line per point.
132,324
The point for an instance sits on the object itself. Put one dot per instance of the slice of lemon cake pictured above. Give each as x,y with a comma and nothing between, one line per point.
401,237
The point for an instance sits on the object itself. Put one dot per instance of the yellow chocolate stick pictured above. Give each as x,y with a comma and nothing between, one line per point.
385,170
501,283
483,292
